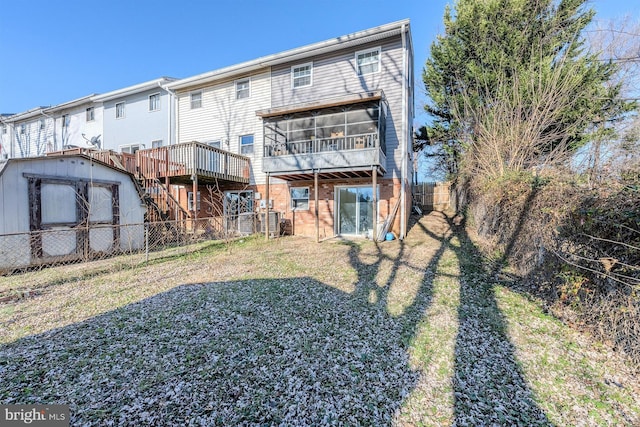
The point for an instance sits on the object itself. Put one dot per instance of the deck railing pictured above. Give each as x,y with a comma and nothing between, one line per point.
192,159
341,143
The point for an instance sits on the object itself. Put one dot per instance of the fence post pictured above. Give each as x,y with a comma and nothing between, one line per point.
146,242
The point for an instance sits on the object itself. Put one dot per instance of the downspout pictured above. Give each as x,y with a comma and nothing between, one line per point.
170,106
403,140
54,129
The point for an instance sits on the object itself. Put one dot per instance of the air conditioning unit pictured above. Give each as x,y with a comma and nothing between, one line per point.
274,223
246,223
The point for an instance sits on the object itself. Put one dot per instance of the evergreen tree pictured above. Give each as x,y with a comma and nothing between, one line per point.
512,60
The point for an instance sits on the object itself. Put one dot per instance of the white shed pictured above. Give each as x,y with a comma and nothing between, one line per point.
62,208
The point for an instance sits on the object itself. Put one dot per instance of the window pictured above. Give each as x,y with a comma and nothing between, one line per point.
300,199
4,129
120,110
215,144
243,88
154,102
23,129
131,148
301,75
42,125
190,200
156,143
246,144
90,114
196,100
368,61
65,121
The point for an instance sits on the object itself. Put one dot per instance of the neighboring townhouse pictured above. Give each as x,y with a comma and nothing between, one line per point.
42,130
77,123
27,134
319,134
137,117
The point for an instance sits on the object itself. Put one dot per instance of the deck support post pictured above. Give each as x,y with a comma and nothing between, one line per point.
266,204
315,185
374,179
194,178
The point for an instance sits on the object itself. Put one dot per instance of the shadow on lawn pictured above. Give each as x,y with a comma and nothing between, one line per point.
489,386
272,351
290,350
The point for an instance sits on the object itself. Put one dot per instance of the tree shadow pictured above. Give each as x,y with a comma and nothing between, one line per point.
489,386
268,351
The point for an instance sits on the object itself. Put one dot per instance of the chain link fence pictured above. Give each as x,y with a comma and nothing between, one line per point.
69,245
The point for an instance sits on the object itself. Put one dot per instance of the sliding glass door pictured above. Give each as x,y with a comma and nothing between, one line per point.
355,210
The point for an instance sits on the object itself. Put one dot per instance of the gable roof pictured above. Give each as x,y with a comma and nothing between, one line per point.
297,54
5,163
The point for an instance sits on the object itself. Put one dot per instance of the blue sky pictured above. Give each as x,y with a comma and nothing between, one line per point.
53,52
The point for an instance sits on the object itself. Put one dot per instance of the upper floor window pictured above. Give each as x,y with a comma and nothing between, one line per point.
42,124
246,144
368,61
120,110
196,99
154,102
4,129
157,143
23,129
301,75
215,143
90,113
65,120
243,88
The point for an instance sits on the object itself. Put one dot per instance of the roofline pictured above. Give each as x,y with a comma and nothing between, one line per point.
84,156
72,103
130,90
38,111
334,44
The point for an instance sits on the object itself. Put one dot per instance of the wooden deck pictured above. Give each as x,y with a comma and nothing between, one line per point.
180,163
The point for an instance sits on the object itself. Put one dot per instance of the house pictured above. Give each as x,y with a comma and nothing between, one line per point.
42,130
63,208
137,117
320,135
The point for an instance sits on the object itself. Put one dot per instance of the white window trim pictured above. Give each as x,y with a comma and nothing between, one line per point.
191,107
93,114
140,147
292,199
253,144
362,52
293,79
159,102
156,141
124,110
246,79
190,201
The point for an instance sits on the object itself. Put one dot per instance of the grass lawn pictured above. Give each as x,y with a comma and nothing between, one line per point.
297,333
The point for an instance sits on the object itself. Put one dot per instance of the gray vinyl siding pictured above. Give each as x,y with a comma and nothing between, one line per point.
224,118
335,75
139,125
